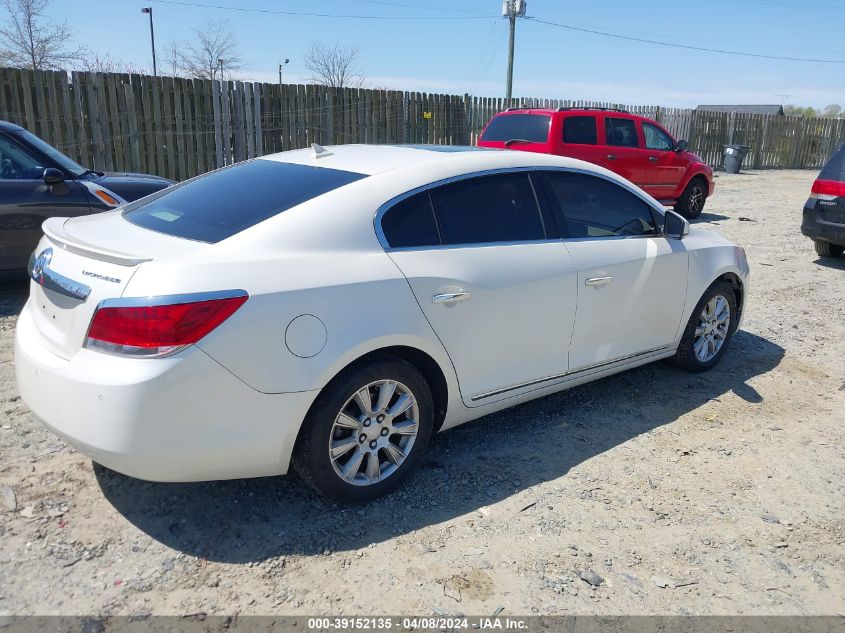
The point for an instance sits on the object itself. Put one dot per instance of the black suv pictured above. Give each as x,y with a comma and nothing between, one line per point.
38,182
824,212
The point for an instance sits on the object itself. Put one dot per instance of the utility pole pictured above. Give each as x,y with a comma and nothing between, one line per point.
152,37
220,61
512,9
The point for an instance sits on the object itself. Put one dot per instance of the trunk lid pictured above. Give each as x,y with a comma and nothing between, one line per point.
82,261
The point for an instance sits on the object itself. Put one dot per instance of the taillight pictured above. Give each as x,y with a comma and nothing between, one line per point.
161,325
827,189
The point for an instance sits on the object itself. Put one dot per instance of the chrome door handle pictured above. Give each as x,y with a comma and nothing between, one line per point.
611,157
598,281
450,297
653,159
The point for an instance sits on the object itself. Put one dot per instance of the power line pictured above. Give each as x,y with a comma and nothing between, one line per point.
323,15
686,46
420,6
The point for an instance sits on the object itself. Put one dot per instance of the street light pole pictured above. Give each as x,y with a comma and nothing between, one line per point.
149,10
220,61
280,70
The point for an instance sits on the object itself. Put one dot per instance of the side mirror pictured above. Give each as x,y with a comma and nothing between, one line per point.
53,176
675,226
681,146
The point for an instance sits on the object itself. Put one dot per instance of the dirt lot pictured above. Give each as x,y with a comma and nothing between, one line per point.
720,493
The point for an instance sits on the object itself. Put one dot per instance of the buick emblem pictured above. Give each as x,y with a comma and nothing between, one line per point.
41,262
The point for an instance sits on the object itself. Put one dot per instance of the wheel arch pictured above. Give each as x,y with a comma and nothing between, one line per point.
735,283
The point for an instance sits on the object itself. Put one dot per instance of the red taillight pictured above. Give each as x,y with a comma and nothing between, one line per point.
832,188
155,330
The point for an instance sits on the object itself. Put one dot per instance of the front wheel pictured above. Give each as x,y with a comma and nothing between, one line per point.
826,249
709,329
366,431
691,203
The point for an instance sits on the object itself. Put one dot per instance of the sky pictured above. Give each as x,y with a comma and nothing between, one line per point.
462,46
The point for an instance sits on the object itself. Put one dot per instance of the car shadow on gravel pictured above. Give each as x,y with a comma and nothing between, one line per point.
475,465
837,263
710,217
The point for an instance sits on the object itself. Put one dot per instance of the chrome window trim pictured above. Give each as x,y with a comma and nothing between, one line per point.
385,207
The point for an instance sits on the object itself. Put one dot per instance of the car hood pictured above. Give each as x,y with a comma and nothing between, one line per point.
131,186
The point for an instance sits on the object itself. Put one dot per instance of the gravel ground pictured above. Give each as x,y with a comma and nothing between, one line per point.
653,491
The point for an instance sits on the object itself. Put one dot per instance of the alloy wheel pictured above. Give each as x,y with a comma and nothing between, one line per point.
374,432
696,199
712,329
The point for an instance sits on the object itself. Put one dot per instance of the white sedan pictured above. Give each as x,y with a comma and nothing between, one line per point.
332,308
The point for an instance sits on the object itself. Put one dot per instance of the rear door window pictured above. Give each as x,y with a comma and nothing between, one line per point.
496,208
589,206
580,129
411,223
524,127
621,132
225,202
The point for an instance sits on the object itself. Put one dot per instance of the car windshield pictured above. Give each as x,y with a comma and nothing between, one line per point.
225,202
523,127
51,152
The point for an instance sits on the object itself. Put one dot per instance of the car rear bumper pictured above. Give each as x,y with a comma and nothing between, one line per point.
182,418
814,227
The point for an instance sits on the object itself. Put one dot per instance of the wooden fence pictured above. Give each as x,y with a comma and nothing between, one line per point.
183,127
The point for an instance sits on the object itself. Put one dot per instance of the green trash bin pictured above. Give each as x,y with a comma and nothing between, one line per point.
734,154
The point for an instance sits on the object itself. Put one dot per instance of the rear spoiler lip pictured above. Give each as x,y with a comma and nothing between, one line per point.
54,229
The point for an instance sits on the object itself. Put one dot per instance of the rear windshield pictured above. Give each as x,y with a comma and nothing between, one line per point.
214,207
522,127
835,167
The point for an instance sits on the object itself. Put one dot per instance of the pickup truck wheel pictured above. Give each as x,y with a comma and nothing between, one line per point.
691,203
826,249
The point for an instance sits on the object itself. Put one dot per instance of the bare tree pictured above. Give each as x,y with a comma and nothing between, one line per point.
334,66
214,42
832,110
31,40
95,63
173,59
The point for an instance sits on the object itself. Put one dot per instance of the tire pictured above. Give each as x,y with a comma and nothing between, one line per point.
356,434
826,249
688,355
691,203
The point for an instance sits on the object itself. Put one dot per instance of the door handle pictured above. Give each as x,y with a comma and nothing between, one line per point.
598,281
611,157
451,297
653,159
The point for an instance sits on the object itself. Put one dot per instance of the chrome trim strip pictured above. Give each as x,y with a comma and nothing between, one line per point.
384,208
163,300
568,374
39,271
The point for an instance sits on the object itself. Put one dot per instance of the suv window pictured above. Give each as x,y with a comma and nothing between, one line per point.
17,164
499,208
621,132
580,129
225,202
525,127
594,207
655,138
411,222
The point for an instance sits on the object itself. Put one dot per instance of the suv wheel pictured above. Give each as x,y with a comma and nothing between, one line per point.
826,249
366,431
691,203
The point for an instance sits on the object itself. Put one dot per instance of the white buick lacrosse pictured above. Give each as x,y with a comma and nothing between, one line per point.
332,308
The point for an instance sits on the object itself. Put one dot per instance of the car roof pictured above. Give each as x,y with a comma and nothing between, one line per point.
6,126
570,110
379,159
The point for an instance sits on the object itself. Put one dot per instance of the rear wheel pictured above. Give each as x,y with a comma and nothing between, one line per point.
709,329
826,249
366,432
691,203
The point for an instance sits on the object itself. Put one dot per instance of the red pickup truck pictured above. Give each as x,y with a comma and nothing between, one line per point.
633,146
